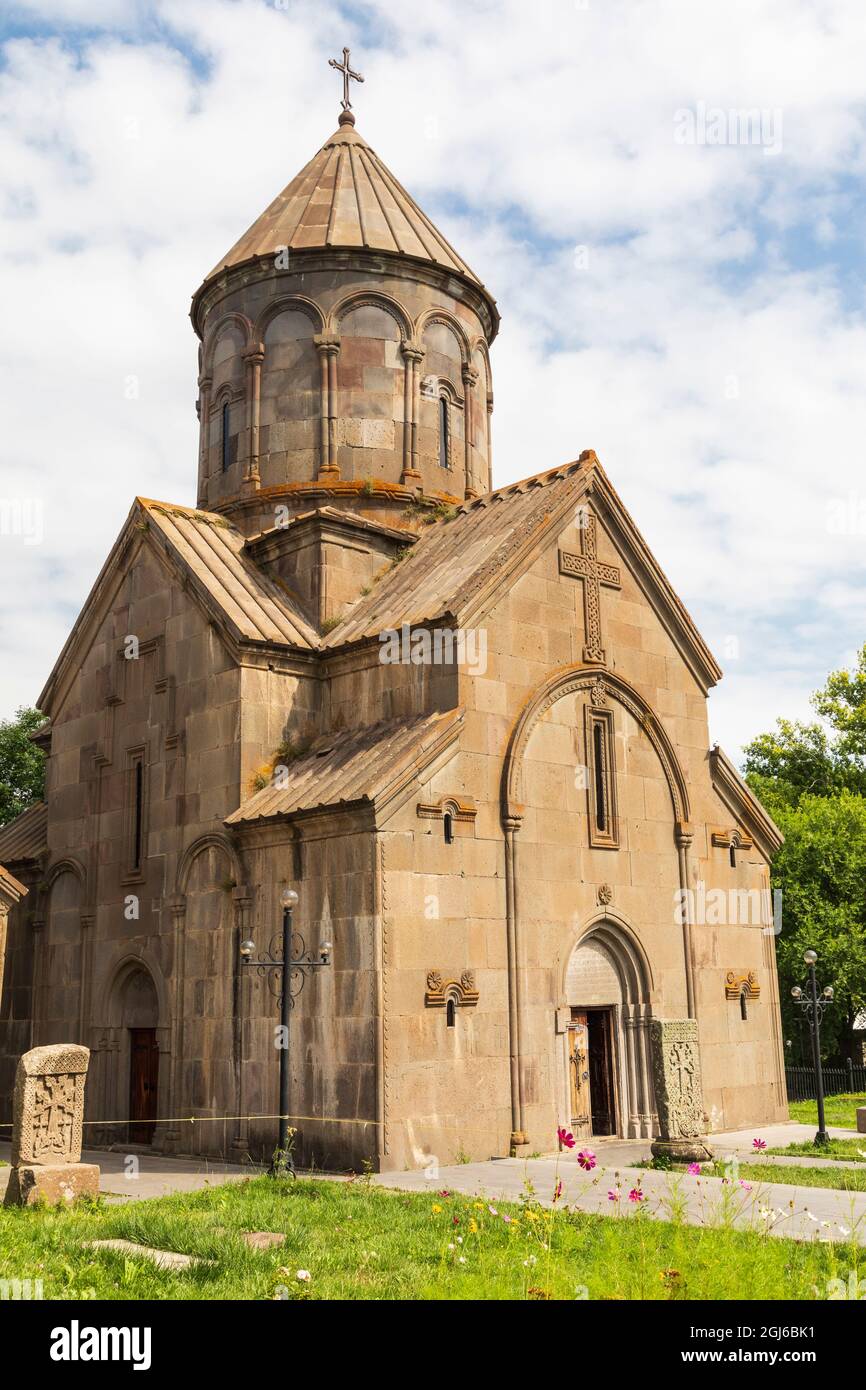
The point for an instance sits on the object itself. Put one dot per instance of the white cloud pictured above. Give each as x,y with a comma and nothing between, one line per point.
723,388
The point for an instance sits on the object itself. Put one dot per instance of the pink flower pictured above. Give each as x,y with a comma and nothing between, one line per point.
506,1218
759,1143
694,1169
557,1191
586,1159
565,1137
613,1194
493,1211
746,1186
636,1195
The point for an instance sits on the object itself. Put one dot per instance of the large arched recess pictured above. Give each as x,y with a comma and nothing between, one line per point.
602,687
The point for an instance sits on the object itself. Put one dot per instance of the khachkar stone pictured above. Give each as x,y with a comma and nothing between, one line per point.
679,1096
47,1116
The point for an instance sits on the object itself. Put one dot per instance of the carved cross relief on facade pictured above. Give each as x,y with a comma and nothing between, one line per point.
594,573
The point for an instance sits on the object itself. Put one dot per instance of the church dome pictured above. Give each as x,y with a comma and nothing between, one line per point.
344,354
346,198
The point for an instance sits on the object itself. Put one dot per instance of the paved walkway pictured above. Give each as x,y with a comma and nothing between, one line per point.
781,1209
151,1175
803,1213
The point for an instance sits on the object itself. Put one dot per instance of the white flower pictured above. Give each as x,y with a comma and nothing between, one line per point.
843,1230
303,1276
452,1247
459,1240
527,1264
811,1217
462,1260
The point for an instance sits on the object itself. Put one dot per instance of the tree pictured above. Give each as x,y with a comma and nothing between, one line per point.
22,764
812,779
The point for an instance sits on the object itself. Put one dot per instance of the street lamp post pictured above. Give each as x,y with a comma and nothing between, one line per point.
813,1005
292,962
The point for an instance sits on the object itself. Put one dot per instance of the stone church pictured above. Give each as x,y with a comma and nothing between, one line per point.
468,725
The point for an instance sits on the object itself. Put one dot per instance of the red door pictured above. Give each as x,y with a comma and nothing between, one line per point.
143,1078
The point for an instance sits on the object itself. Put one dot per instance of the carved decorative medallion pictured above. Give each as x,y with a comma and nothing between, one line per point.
747,984
605,894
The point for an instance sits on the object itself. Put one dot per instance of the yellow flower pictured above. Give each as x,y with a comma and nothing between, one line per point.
473,1226
479,1206
532,1216
435,1209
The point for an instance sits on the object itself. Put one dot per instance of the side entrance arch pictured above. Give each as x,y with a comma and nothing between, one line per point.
607,992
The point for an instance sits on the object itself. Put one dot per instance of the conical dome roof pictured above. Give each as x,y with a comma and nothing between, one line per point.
345,199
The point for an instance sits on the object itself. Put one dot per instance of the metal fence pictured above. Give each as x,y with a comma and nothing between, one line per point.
801,1081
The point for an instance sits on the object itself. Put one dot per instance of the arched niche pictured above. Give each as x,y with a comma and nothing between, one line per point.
370,399
61,965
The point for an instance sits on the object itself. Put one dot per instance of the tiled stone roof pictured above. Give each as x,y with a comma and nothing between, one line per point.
453,561
214,552
346,198
25,837
353,765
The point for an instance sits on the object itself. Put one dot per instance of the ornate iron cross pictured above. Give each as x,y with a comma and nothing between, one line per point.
347,72
589,568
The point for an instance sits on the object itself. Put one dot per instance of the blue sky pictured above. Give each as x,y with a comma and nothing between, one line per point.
692,310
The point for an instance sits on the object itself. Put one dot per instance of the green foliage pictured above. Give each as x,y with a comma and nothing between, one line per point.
22,764
812,779
839,1110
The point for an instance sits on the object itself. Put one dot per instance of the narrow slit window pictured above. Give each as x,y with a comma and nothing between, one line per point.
225,436
444,442
733,856
598,763
450,1014
601,780
136,812
744,1006
448,827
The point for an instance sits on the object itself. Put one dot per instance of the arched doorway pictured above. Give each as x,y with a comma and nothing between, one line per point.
607,992
140,1014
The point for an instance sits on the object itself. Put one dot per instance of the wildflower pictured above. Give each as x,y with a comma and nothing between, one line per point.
586,1159
759,1144
557,1191
506,1218
445,1192
843,1230
636,1195
473,1226
746,1186
455,1221
479,1206
694,1169
459,1240
461,1260
613,1194
452,1248
527,1264
565,1138
436,1209
493,1211
303,1276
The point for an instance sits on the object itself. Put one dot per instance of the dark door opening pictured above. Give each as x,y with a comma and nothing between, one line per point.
601,1073
143,1079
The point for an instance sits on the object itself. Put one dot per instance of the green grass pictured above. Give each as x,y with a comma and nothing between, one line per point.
361,1242
852,1149
838,1110
847,1179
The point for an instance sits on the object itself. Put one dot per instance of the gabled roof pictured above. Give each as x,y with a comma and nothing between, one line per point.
345,199
743,804
25,837
354,766
214,553
210,554
456,566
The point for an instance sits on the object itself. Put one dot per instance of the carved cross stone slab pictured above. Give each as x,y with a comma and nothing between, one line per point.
48,1104
594,573
679,1095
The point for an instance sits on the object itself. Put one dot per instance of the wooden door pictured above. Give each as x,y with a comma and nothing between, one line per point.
143,1079
578,1067
601,1081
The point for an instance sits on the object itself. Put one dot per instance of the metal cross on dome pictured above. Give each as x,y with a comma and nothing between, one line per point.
347,72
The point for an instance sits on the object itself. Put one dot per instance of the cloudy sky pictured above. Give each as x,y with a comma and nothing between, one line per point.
681,288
